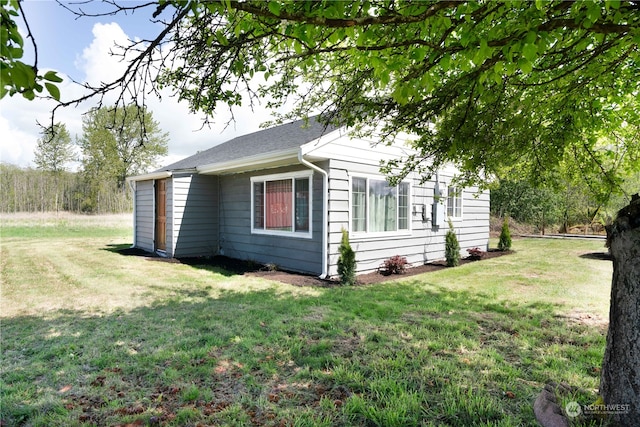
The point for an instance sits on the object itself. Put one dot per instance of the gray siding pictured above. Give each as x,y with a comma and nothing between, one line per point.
424,243
208,215
287,252
145,211
192,215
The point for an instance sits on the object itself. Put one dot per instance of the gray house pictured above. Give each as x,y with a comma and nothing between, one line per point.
283,195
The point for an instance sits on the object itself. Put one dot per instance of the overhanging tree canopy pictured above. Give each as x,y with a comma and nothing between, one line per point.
487,85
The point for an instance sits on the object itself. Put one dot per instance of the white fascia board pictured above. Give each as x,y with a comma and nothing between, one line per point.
344,146
150,176
278,158
308,148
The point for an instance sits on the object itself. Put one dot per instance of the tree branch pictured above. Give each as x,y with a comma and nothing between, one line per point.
250,7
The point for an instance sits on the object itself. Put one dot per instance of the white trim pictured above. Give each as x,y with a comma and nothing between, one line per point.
278,158
150,176
308,148
284,176
446,203
379,234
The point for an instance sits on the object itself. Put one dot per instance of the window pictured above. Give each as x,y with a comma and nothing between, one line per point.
377,207
281,204
454,202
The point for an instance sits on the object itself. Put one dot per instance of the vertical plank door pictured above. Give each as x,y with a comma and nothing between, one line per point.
161,215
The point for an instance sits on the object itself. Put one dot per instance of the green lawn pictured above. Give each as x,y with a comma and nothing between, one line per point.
91,337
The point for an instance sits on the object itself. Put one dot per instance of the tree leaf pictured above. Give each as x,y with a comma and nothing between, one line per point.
274,7
525,66
29,94
445,62
53,91
52,76
530,51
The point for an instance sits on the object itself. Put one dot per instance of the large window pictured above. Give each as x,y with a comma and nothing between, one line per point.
377,207
454,202
281,203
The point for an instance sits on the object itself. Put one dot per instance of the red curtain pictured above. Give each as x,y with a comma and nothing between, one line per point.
278,204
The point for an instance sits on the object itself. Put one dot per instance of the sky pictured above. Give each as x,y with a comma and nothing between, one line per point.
78,49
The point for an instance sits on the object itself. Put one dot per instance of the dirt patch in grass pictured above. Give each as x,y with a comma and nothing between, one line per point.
254,269
588,319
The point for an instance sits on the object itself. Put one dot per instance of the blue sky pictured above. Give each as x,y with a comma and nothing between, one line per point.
61,36
78,50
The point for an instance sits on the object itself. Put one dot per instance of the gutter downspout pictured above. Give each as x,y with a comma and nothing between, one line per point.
325,207
132,185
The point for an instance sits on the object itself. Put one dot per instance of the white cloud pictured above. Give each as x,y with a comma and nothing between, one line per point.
17,144
20,128
19,131
95,61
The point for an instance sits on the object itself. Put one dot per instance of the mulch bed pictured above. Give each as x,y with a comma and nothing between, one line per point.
297,279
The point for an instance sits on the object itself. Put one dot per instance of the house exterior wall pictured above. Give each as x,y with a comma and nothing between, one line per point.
212,214
144,215
192,215
424,242
289,252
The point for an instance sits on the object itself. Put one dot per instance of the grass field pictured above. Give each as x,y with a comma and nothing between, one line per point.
92,337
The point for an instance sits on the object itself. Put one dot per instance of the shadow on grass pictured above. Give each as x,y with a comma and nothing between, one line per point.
218,264
602,256
396,354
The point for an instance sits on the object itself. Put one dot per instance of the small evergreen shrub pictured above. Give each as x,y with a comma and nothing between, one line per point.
394,265
346,261
475,254
451,247
504,244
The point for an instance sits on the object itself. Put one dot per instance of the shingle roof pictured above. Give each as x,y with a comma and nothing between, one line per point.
278,138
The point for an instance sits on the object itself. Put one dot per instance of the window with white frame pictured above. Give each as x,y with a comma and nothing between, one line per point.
377,207
281,203
454,202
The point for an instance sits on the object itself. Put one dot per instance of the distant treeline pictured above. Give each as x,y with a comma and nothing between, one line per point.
34,190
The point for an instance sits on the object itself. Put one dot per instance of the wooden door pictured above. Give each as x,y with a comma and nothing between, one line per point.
161,215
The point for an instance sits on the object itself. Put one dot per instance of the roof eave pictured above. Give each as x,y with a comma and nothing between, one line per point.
261,161
150,176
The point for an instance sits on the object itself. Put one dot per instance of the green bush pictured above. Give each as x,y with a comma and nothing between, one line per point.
504,244
452,247
346,261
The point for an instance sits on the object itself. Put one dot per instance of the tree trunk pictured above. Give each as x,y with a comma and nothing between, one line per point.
620,380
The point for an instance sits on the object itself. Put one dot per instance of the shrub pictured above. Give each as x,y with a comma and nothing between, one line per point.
346,261
451,247
504,244
394,265
270,266
475,254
